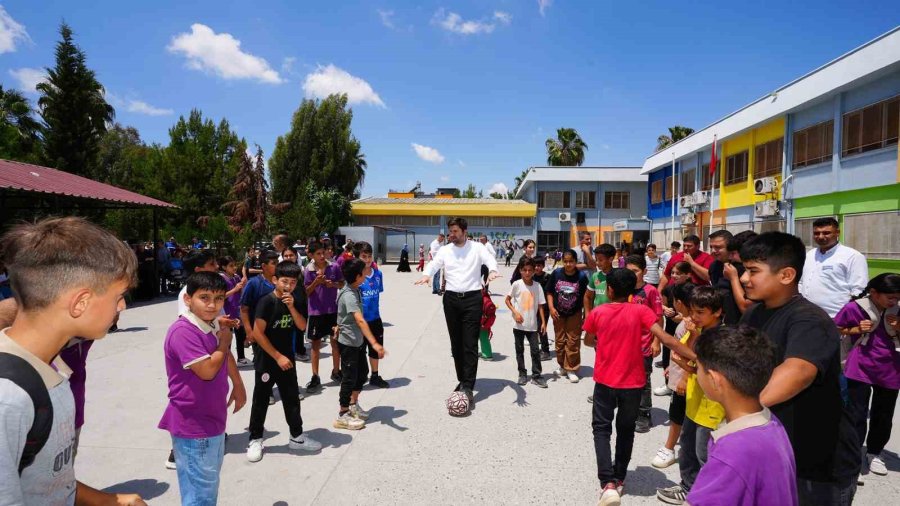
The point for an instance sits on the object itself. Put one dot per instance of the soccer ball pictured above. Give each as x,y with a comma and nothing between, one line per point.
458,404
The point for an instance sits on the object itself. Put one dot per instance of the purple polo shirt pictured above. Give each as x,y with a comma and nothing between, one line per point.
750,462
233,302
75,356
323,300
876,362
197,408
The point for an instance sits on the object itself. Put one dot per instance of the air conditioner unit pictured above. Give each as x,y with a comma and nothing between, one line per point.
765,208
700,198
565,217
686,201
765,185
688,219
579,218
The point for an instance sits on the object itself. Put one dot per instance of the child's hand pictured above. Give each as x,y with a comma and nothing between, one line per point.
669,312
288,299
284,363
129,500
320,278
554,314
729,272
517,316
380,351
894,322
655,349
238,397
689,324
543,328
865,326
227,323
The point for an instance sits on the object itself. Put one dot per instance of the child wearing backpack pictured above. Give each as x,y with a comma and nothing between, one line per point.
488,316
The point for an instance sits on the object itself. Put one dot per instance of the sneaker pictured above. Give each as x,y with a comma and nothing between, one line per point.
336,376
471,396
300,395
243,362
271,400
876,465
590,399
661,391
610,496
545,356
486,357
358,412
642,425
671,495
314,385
304,443
539,381
620,487
558,372
170,462
348,422
664,458
378,382
523,379
658,364
573,377
255,450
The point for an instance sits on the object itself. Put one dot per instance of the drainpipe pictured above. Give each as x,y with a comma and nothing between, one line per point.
787,160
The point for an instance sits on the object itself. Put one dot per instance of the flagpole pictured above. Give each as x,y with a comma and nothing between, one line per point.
712,189
674,199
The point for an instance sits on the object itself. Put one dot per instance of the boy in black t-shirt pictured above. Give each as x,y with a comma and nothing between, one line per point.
804,391
276,318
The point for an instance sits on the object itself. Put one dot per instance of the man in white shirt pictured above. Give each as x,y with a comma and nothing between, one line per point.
461,260
487,244
669,253
584,254
432,251
833,273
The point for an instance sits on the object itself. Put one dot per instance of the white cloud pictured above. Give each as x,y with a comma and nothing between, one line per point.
386,18
11,32
136,106
543,5
445,179
28,78
428,154
498,188
453,22
221,54
330,79
287,64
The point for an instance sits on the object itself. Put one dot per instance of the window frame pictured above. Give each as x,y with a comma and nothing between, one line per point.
624,198
707,183
692,181
656,191
667,188
731,175
883,109
825,129
591,199
761,167
566,199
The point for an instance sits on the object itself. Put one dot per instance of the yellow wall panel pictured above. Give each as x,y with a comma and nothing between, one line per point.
741,194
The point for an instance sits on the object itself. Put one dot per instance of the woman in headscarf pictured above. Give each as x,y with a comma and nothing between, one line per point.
404,260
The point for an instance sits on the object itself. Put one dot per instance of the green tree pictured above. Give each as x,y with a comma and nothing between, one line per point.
19,130
519,180
566,150
471,192
331,207
676,133
74,111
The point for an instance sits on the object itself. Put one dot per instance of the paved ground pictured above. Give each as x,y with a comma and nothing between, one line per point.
521,445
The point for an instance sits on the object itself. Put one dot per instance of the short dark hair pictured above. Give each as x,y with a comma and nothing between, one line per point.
707,297
683,293
314,246
539,260
352,269
675,244
828,221
204,280
196,259
721,234
739,239
287,269
682,267
691,238
607,250
583,233
268,256
361,247
525,262
777,250
459,222
637,261
651,245
224,261
743,355
622,282
571,253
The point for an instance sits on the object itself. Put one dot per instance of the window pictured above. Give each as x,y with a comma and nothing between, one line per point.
688,181
707,180
736,168
669,188
553,200
768,158
387,221
875,235
617,200
872,127
813,144
549,241
508,222
585,200
656,192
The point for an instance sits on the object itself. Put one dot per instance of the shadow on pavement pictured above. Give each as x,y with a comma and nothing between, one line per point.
147,488
393,382
329,438
487,387
387,415
658,416
644,481
237,443
497,357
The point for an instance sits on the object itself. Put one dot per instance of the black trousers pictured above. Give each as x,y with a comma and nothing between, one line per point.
240,335
354,371
545,342
532,336
646,393
290,401
880,415
463,314
606,401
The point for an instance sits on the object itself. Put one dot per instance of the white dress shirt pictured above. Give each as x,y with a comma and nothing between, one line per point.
462,265
433,248
490,249
831,278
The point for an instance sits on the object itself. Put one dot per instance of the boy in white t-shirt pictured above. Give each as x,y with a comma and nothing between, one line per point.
525,300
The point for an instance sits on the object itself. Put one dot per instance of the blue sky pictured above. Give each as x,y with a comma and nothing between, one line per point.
445,92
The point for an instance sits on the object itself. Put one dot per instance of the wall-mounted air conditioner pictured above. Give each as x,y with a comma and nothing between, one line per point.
686,201
765,185
765,208
700,198
564,217
688,219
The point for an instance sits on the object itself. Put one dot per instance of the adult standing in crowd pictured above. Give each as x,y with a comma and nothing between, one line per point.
667,255
655,265
484,270
461,260
280,242
833,273
584,260
697,259
432,252
718,246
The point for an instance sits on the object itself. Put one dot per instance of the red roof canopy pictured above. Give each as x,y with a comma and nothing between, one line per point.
34,178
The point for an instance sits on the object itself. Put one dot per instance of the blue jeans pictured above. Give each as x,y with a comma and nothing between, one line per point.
436,282
694,448
199,462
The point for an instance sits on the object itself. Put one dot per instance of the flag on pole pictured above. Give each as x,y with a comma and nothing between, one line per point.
713,162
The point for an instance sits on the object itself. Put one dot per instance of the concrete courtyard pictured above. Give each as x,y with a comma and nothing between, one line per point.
521,444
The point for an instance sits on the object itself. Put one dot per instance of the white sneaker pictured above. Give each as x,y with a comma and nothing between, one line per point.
348,422
255,450
305,443
358,412
663,459
661,391
610,496
559,373
573,378
876,465
242,362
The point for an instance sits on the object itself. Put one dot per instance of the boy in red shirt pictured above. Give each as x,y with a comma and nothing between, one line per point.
615,330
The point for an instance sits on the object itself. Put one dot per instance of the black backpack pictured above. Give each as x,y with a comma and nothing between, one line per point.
20,372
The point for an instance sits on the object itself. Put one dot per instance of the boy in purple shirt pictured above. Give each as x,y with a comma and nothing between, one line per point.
196,358
322,281
750,458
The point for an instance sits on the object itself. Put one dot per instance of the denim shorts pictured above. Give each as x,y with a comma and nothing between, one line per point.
198,464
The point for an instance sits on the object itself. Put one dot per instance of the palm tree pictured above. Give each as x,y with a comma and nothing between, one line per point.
567,149
359,168
16,112
676,133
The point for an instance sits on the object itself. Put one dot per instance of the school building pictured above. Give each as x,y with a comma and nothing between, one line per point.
610,203
822,145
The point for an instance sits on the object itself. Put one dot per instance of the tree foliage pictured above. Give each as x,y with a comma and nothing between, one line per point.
19,130
249,205
676,133
471,192
566,150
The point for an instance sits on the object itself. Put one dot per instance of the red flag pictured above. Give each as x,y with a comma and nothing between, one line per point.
712,161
